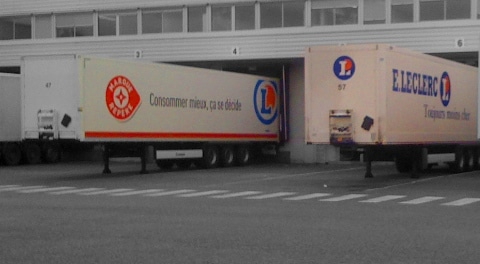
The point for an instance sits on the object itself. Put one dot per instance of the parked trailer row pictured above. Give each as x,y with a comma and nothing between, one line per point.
393,103
186,114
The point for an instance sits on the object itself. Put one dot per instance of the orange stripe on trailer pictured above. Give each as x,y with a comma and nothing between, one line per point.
170,135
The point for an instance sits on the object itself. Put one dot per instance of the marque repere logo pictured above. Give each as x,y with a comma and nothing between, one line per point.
122,98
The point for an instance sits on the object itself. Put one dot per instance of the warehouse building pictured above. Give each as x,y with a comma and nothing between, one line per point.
265,37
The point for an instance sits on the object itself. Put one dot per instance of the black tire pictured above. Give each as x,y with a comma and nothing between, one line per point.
32,153
227,156
165,164
470,159
210,157
243,155
11,154
403,164
51,153
463,160
475,159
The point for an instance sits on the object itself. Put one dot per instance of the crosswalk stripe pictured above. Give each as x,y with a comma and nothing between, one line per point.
272,195
76,191
197,194
165,193
422,200
137,192
105,192
19,188
307,196
463,201
233,195
46,189
343,198
7,186
223,194
383,199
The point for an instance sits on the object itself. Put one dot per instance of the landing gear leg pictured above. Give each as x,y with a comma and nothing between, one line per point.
143,158
416,162
368,161
106,159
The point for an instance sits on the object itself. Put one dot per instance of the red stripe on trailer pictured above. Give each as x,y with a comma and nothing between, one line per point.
170,135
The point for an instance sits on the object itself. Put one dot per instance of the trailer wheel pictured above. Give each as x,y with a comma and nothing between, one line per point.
475,159
243,155
463,160
32,153
210,157
227,156
165,164
403,165
11,154
51,153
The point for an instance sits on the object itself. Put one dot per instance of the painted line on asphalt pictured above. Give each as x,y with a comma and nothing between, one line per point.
139,192
307,196
423,200
343,198
46,189
197,194
19,188
234,195
8,186
165,193
271,195
105,192
383,199
462,202
76,191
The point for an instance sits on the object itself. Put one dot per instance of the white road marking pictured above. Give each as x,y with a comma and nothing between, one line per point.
19,188
343,198
233,195
463,201
8,186
105,192
307,196
76,191
272,195
46,189
165,193
383,198
223,194
197,194
423,200
137,192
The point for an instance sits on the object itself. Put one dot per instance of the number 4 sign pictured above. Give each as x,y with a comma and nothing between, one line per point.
236,51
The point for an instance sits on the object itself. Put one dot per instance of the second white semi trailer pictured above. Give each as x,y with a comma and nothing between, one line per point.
394,103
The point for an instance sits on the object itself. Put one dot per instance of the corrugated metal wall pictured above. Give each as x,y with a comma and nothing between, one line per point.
257,44
429,37
16,7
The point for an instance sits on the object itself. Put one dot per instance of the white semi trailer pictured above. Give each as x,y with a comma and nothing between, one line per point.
10,116
393,103
187,114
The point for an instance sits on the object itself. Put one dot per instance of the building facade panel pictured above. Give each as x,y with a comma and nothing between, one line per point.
15,7
264,44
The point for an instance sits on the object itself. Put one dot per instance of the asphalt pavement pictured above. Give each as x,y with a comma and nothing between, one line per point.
267,213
